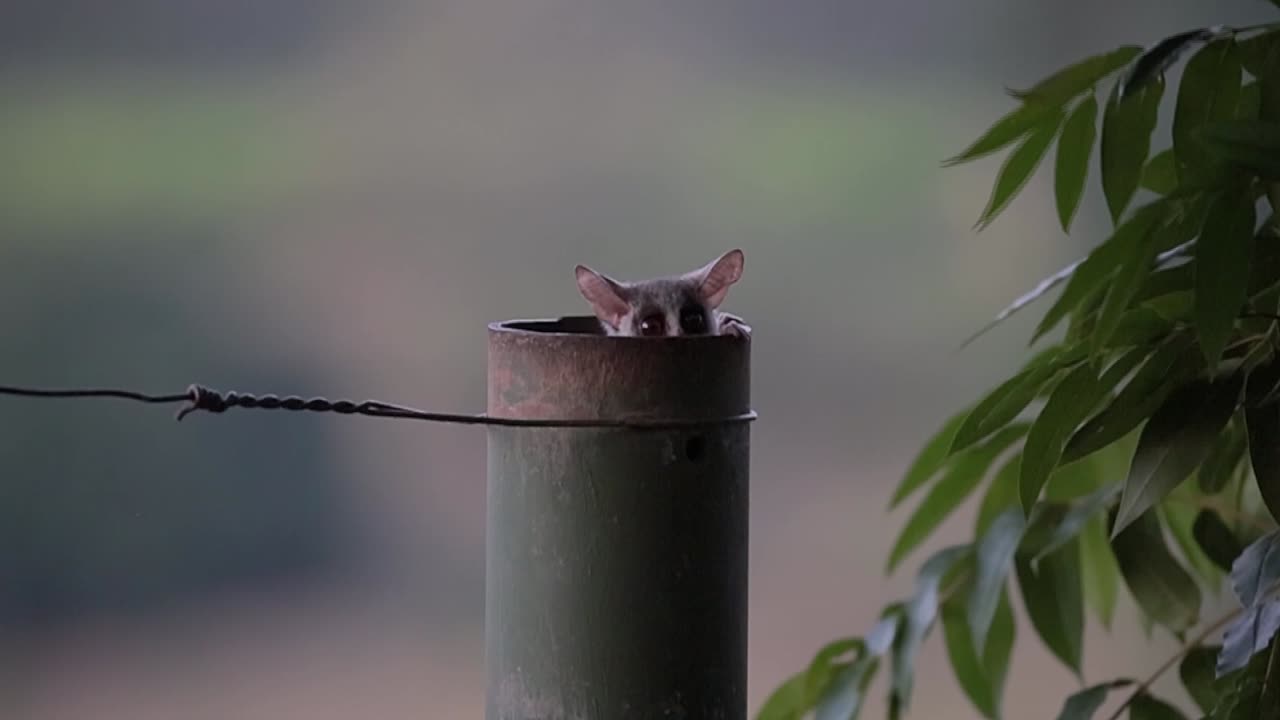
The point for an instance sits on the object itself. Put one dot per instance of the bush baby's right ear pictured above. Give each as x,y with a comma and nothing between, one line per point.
604,294
715,277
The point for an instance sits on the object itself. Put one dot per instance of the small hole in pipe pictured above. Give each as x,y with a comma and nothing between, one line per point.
695,447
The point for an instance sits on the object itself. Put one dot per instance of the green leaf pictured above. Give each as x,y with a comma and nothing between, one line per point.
959,481
1248,635
1019,167
1001,494
1215,538
1263,427
1174,306
1003,404
1265,268
1137,400
1069,483
929,461
1072,522
1083,278
1075,145
1098,570
1174,443
1159,57
1065,84
1054,600
1071,402
835,689
920,612
848,690
885,632
787,701
1261,352
1087,282
1268,75
999,651
1247,692
1255,52
1186,210
995,551
1160,175
1259,136
1084,703
1116,371
1129,276
1222,259
1160,586
1148,707
1249,106
1224,458
1197,675
1091,273
1251,144
1142,327
1085,316
1257,570
1014,125
1166,280
1127,125
824,666
1209,91
982,677
832,651
1178,513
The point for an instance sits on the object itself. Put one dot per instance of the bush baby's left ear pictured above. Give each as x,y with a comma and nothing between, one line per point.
715,277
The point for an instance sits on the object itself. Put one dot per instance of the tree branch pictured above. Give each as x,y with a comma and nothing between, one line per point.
1143,686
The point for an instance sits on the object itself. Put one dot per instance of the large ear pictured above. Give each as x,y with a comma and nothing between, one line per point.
715,277
604,294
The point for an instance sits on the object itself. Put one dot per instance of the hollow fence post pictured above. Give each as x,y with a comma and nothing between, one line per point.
616,558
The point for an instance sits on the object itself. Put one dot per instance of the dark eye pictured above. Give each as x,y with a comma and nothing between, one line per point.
653,324
693,321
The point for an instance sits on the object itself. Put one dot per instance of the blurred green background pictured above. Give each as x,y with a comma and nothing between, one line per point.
336,197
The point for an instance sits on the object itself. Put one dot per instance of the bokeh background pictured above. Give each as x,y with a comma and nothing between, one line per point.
334,198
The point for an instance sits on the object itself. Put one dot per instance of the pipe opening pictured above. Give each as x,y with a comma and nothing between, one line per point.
568,325
587,325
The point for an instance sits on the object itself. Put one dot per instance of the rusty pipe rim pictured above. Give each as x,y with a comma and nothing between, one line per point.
566,372
587,328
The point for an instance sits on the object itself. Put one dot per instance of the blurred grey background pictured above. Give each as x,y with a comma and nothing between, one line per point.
336,197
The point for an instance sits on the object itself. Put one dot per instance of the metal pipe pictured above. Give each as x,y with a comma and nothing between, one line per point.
616,558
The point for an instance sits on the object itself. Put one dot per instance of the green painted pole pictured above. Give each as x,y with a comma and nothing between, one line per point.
616,558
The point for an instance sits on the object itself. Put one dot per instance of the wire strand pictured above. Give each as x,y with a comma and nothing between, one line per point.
94,392
200,398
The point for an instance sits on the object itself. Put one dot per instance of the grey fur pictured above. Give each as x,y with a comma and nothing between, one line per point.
668,296
672,298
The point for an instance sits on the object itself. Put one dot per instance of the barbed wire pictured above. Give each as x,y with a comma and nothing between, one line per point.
200,398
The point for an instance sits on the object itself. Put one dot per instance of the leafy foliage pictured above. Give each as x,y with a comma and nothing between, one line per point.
1075,145
1175,441
981,673
1140,449
1161,586
1054,600
1083,704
